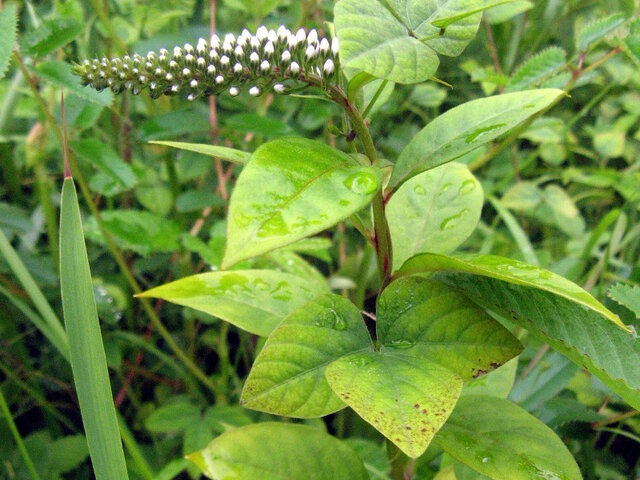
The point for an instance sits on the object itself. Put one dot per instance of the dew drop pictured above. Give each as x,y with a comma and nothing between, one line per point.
473,136
450,222
467,186
402,343
362,183
419,190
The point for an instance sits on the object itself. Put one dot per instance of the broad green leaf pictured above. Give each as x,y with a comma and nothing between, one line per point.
434,212
502,13
88,359
107,161
373,40
596,30
432,339
254,300
60,74
275,451
224,153
536,69
173,417
293,188
500,440
137,230
287,378
419,15
626,295
51,35
258,124
553,309
496,384
466,127
511,271
9,29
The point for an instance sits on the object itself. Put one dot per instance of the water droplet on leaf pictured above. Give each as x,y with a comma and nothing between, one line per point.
362,183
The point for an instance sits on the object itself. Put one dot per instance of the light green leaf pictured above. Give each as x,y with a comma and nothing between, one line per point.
626,295
500,440
496,384
444,22
632,48
224,153
60,74
374,41
518,234
434,212
51,35
274,451
290,189
287,378
536,69
173,417
107,161
88,359
432,339
522,196
506,12
254,300
9,29
466,127
553,309
597,30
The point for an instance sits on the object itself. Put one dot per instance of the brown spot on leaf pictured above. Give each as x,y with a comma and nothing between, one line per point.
417,405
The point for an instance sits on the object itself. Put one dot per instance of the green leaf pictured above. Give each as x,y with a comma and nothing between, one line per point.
287,378
137,230
432,339
60,74
560,411
173,417
632,44
466,127
373,40
51,35
500,440
518,234
626,295
258,124
506,12
254,300
553,309
290,189
597,30
434,212
9,29
537,68
88,360
224,153
444,22
107,161
496,384
273,451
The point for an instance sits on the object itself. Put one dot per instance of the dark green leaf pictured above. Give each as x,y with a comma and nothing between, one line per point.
9,29
51,35
60,74
596,30
626,295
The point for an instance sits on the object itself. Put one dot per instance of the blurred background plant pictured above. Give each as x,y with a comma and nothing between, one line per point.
563,193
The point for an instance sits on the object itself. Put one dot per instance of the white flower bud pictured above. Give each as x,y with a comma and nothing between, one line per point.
177,52
301,35
219,79
265,65
149,65
213,54
272,36
201,62
254,57
292,41
202,45
229,38
279,88
194,83
239,51
283,32
268,48
227,47
186,72
191,97
255,43
189,58
233,91
310,52
168,77
164,51
328,66
295,68
152,85
173,65
188,48
237,68
175,88
135,71
335,45
215,41
254,91
312,37
121,75
158,72
262,33
224,61
286,56
142,78
211,69
127,84
324,46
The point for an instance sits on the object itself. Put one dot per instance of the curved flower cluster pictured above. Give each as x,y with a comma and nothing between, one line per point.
270,59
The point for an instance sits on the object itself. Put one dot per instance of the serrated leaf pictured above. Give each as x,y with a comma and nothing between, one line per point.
51,35
626,295
466,127
553,309
9,29
597,30
229,154
60,74
290,189
432,339
267,451
500,440
434,212
559,411
632,44
254,300
537,68
287,378
107,161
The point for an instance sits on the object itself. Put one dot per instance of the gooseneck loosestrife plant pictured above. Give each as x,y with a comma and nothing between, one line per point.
441,320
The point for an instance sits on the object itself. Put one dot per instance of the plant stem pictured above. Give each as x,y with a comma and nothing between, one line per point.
16,435
401,466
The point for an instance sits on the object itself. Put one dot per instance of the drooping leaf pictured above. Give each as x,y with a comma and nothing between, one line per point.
9,29
107,161
500,440
373,40
444,22
434,212
626,295
254,300
597,30
287,378
224,153
51,35
290,189
88,360
466,127
270,450
60,74
432,339
536,69
553,309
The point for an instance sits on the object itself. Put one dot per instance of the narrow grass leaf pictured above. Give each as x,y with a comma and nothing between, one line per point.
224,153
